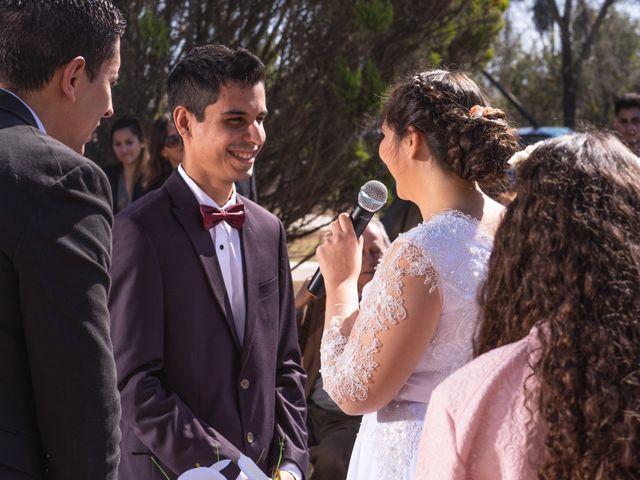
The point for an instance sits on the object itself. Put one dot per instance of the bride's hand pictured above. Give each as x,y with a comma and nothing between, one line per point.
340,254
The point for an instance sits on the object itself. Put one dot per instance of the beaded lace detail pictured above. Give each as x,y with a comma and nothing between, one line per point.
397,429
441,251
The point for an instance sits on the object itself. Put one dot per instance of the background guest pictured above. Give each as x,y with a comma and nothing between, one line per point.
127,141
331,432
59,403
627,121
557,395
165,152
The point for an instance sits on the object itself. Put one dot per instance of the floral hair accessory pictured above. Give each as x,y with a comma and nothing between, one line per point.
519,157
478,111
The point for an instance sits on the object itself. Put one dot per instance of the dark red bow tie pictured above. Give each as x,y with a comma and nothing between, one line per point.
233,215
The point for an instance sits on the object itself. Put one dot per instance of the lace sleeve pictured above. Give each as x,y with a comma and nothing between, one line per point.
348,363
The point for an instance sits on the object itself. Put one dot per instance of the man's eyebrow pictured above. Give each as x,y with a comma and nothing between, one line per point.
234,112
241,112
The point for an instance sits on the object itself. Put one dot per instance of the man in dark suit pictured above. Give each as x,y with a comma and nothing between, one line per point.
203,321
59,408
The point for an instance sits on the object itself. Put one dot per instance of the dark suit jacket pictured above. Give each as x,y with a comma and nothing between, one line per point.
190,393
59,407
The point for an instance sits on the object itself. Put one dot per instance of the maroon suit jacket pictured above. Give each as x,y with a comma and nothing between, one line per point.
190,393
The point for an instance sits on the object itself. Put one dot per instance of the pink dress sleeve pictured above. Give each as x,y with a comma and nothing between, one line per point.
438,456
478,425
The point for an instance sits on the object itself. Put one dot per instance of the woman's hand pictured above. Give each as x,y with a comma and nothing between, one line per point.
340,254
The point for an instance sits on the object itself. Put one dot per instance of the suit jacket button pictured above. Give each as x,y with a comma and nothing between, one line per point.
244,384
250,438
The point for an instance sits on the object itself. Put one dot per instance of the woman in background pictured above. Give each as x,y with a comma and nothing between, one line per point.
165,149
555,393
127,142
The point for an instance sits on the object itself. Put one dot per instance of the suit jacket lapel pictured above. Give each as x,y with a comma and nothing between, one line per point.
187,212
14,106
249,262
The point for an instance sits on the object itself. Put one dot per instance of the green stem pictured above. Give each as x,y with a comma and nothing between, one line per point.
160,468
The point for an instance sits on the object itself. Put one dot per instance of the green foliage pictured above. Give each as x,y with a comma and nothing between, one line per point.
374,15
532,71
434,59
372,86
362,154
155,34
348,82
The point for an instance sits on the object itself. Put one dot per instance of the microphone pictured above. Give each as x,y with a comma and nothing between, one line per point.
372,197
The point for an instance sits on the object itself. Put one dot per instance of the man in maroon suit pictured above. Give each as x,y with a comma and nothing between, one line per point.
203,322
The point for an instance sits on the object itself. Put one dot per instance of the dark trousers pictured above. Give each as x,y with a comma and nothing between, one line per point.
331,438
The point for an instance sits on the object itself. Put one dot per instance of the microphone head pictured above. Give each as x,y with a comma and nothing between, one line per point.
372,196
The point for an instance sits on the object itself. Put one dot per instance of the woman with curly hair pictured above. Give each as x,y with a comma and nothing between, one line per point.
555,392
415,322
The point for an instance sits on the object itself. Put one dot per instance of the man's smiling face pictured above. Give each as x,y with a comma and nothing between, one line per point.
225,144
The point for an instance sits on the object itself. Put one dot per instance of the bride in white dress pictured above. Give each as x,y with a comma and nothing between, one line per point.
415,322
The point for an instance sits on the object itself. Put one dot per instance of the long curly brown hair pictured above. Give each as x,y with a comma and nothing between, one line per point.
567,258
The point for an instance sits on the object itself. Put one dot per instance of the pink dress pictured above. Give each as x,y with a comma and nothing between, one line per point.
477,425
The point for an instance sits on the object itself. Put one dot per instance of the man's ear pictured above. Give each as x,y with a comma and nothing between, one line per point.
183,119
71,75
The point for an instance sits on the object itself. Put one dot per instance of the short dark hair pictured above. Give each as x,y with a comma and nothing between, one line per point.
628,100
39,36
196,80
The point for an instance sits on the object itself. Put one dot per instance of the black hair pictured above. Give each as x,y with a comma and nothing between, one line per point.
129,123
628,100
39,36
196,80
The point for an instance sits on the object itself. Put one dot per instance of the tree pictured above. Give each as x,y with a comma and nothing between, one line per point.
531,68
579,25
329,62
612,69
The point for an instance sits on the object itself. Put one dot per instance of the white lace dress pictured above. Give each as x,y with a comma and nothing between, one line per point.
451,253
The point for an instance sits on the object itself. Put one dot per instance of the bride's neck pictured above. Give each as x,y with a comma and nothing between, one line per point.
439,191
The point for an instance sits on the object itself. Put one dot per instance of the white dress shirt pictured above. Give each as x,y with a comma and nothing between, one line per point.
229,252
38,122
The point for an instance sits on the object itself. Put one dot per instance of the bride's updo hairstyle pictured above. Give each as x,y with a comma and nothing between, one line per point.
463,134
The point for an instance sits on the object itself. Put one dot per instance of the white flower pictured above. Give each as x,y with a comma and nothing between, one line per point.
250,469
206,473
519,157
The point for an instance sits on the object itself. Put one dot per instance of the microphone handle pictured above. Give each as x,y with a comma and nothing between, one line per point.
359,218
